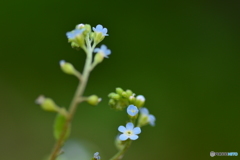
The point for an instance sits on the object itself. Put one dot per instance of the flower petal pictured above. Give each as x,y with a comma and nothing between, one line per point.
121,129
129,126
144,111
137,130
133,137
151,120
123,137
96,50
99,27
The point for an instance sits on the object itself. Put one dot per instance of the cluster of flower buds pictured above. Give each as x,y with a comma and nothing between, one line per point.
121,99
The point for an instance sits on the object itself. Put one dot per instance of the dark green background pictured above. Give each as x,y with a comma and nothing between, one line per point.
182,55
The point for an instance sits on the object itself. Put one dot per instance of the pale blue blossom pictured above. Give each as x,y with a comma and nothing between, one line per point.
73,34
96,156
129,132
99,28
132,110
103,50
149,117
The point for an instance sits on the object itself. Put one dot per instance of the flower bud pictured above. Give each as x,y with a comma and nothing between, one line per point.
119,144
112,103
98,58
140,100
124,94
119,90
114,96
80,26
46,103
93,100
67,67
129,93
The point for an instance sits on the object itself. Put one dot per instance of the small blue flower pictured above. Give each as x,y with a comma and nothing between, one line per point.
99,28
150,118
129,132
103,50
96,156
73,34
132,110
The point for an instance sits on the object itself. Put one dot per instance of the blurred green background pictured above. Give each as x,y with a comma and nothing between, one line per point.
182,55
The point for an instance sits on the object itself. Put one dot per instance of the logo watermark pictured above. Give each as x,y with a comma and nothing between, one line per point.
212,153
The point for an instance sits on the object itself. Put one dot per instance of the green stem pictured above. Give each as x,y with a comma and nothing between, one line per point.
121,153
75,101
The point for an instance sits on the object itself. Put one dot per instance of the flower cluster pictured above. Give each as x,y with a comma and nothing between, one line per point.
83,32
121,99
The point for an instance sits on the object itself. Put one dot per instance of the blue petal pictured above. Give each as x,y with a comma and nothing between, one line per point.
144,111
152,120
96,50
123,137
137,130
129,126
121,129
99,27
133,137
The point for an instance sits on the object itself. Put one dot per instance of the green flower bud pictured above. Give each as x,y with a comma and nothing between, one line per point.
47,104
80,26
88,28
110,95
140,100
143,120
112,102
119,144
98,58
124,94
115,96
132,99
93,100
129,93
67,67
119,90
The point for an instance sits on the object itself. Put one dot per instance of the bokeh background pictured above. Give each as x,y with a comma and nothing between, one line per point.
182,55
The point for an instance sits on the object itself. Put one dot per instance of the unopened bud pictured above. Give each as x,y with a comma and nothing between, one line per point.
93,100
67,67
46,103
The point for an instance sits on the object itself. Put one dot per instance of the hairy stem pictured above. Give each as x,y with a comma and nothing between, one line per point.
75,101
121,153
